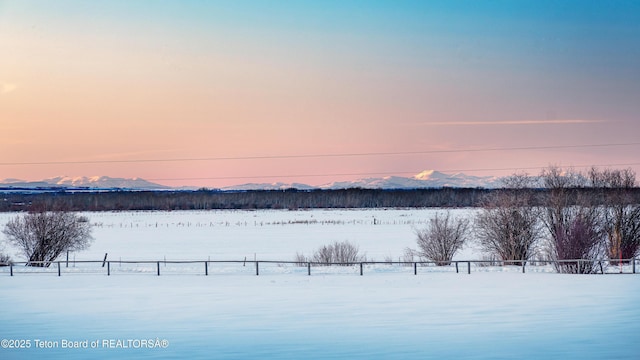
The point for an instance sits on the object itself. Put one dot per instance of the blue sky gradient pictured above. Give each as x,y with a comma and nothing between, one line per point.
309,77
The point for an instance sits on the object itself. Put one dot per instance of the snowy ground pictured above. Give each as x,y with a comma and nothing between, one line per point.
265,235
288,315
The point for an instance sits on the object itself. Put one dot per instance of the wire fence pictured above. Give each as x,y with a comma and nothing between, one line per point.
273,267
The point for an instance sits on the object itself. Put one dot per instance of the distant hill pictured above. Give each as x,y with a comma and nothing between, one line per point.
429,179
424,180
95,182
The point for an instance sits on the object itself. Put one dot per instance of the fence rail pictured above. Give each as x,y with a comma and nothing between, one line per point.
207,267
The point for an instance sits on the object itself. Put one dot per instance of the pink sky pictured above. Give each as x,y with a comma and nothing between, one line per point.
99,89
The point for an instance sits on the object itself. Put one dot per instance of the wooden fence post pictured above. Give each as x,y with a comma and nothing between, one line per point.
257,269
108,268
468,267
361,269
11,268
309,268
158,266
58,268
524,263
456,267
634,265
206,268
415,268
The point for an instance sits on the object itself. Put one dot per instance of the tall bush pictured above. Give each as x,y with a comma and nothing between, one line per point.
508,226
580,238
621,215
443,237
574,223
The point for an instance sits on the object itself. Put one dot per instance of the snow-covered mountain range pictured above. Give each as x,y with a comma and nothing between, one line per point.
425,179
94,182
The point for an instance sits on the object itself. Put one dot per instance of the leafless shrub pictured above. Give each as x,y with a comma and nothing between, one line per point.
623,232
489,260
508,233
408,256
621,216
5,260
574,225
301,259
341,253
443,238
578,239
42,236
507,227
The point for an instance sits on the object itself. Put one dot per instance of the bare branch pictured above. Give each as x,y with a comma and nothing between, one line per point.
44,236
443,238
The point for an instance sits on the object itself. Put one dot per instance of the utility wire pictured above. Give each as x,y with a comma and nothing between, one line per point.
307,156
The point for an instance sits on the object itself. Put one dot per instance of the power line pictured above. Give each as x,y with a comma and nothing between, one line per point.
307,156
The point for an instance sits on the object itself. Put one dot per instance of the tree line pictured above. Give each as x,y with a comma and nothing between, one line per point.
300,199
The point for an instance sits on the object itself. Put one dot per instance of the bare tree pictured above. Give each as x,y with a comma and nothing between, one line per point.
558,179
520,181
507,226
43,236
612,178
443,238
621,215
574,223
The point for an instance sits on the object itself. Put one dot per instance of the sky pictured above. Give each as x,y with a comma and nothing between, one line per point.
215,93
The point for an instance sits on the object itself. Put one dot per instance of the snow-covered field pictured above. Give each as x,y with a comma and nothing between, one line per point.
266,235
288,315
